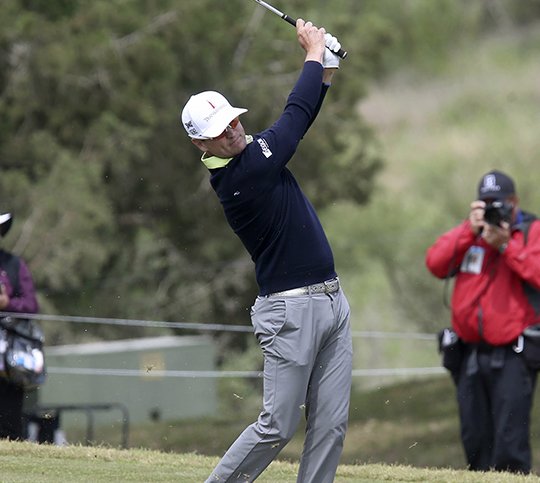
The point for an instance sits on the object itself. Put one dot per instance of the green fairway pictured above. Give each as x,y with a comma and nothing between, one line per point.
412,423
24,462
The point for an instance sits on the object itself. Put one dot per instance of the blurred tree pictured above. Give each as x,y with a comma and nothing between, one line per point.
116,213
120,220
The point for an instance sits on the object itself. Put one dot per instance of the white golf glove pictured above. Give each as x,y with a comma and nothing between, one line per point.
330,59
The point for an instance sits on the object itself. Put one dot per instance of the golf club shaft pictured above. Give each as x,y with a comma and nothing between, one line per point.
341,53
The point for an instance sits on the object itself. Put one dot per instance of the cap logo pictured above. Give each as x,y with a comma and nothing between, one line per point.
215,111
490,184
190,128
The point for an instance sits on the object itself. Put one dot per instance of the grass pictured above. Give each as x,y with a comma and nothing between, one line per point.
409,424
23,462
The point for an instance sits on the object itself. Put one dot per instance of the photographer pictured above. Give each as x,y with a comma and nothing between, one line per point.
495,258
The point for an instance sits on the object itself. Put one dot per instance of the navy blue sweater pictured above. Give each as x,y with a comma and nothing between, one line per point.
264,204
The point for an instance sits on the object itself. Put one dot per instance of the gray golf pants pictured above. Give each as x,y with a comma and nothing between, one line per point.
307,346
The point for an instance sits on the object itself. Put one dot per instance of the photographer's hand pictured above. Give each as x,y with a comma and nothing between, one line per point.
476,216
496,236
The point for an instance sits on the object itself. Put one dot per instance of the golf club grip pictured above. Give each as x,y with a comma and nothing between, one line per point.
340,53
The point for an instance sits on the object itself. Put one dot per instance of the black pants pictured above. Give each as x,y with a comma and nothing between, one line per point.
495,391
11,405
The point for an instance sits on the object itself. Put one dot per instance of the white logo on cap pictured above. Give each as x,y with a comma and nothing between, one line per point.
490,184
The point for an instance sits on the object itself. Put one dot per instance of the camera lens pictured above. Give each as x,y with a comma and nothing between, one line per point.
498,211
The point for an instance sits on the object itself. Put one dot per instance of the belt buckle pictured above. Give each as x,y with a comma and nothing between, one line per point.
328,284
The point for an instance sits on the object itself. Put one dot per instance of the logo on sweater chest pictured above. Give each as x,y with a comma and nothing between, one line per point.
264,147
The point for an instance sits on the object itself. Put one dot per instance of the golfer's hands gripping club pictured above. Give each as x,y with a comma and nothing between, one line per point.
330,58
311,39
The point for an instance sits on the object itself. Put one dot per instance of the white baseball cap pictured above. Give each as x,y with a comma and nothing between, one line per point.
207,114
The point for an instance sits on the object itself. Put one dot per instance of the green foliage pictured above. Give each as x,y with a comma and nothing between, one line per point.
440,135
51,9
114,211
120,218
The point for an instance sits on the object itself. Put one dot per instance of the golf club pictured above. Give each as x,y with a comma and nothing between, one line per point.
341,53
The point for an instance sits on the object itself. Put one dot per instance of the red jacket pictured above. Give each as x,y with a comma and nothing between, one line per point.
489,301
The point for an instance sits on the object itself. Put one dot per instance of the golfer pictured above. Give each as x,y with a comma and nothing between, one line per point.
301,315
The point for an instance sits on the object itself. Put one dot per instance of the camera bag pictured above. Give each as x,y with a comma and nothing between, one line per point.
531,346
21,352
451,348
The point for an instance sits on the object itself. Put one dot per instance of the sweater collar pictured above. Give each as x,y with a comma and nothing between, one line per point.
213,162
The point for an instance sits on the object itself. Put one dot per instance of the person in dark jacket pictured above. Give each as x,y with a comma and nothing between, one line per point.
301,316
494,256
17,294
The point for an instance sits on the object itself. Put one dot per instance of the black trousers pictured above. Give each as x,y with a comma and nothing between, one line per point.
11,408
495,391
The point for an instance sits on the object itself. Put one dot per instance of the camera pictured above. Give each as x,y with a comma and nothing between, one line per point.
498,211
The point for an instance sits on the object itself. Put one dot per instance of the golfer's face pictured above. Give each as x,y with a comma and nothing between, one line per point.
230,143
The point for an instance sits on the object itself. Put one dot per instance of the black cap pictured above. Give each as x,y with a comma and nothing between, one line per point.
495,185
5,223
